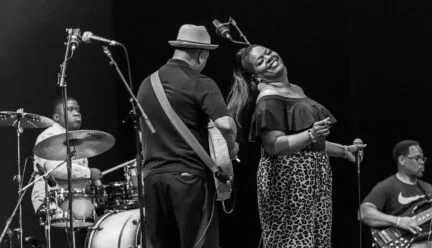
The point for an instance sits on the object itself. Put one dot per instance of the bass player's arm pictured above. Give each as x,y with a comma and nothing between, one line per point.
370,215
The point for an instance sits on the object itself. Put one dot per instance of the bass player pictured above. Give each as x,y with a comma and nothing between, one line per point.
386,205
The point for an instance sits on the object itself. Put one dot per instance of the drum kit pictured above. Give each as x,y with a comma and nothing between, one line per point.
110,212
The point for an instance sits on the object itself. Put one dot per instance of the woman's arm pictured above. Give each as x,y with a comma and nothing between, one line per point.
338,150
277,142
335,150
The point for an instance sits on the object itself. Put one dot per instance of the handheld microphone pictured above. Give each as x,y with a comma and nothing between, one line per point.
75,39
51,181
222,29
359,155
89,36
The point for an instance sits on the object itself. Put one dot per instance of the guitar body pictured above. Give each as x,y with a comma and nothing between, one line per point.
392,237
220,155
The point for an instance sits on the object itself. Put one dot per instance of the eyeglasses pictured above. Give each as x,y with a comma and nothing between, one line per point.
418,158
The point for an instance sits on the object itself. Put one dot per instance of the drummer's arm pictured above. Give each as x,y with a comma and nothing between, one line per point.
80,168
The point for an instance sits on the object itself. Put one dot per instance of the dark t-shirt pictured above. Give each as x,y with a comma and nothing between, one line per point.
195,98
394,197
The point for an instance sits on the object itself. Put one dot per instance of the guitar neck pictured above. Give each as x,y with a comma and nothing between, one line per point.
424,216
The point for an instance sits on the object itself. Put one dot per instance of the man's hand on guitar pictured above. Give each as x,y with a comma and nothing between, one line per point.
409,224
233,152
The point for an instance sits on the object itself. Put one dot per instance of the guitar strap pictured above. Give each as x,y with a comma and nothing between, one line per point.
179,125
187,135
423,190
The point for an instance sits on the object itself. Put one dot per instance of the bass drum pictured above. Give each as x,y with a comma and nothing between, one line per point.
115,230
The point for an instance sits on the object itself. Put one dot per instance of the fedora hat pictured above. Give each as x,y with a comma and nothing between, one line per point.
192,36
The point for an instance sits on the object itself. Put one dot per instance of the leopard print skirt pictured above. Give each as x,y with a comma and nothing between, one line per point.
295,200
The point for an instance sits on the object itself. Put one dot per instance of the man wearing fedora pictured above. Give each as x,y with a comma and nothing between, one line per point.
179,192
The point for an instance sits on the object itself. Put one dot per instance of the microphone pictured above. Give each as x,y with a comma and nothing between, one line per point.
89,36
75,39
359,155
222,29
51,181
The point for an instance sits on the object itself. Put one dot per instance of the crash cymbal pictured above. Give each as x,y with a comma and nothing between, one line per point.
28,120
85,144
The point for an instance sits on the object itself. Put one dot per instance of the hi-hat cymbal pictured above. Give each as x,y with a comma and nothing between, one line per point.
84,144
27,120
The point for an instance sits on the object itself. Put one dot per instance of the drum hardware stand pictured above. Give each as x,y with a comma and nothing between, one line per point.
6,229
137,114
72,42
48,212
47,217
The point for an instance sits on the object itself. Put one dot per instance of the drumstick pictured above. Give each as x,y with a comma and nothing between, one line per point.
117,167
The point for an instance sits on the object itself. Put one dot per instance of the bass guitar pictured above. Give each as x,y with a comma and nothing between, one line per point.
393,237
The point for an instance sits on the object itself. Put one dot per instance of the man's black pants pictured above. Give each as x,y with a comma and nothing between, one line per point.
175,206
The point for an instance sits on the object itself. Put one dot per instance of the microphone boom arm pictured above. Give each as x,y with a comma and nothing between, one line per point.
43,176
246,41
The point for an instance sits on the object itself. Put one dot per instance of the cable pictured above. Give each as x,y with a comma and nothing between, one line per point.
128,65
234,195
24,169
208,225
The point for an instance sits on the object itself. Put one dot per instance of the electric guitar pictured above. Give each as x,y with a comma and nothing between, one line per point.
393,237
220,155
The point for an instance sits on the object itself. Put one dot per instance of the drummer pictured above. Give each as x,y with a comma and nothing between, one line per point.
81,173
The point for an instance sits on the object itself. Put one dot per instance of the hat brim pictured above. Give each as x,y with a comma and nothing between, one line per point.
189,44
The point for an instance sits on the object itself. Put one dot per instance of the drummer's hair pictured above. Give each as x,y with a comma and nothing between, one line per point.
58,102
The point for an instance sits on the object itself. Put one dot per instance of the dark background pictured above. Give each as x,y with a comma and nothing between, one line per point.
364,60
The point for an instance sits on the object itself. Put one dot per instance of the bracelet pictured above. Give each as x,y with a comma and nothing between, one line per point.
311,136
398,221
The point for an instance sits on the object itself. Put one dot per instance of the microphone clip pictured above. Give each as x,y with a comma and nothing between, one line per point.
223,29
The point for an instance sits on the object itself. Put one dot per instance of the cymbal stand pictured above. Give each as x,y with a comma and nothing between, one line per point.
138,112
70,47
18,177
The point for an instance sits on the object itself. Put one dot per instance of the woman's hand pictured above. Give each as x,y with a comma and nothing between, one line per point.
320,129
351,150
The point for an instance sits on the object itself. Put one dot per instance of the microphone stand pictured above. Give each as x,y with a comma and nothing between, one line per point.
44,175
47,216
226,26
62,84
233,22
358,166
136,106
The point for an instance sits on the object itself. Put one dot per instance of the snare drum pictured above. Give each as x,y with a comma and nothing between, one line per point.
83,208
121,196
115,229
